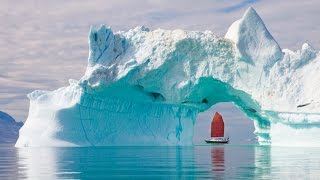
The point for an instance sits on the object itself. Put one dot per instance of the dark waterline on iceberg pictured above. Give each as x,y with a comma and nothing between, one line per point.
206,161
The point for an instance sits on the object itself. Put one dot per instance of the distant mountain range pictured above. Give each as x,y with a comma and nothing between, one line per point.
9,128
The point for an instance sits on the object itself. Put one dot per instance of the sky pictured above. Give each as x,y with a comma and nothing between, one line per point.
44,43
237,127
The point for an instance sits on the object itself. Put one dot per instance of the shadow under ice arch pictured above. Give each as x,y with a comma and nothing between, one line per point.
145,87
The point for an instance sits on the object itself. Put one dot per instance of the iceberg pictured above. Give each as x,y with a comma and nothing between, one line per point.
146,87
9,128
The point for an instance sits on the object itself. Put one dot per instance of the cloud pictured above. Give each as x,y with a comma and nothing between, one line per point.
238,6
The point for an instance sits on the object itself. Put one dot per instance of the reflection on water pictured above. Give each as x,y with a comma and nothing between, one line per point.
262,162
108,162
8,162
217,159
214,162
287,163
39,163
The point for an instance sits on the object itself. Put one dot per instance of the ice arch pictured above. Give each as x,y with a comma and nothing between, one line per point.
145,87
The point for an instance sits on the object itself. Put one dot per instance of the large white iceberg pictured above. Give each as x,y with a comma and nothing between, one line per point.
145,87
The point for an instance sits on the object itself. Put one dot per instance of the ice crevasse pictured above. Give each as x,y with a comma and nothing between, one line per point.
146,87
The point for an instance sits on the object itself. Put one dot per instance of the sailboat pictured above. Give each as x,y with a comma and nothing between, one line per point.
217,130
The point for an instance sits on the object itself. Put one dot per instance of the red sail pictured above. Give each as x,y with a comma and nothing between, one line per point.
217,126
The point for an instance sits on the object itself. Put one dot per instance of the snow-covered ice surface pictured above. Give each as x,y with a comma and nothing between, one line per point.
145,87
9,128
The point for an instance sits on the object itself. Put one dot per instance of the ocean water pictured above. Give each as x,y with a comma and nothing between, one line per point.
202,161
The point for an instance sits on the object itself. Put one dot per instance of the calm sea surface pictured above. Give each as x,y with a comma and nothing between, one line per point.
212,162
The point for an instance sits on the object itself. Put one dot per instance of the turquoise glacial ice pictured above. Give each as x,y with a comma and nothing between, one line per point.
146,87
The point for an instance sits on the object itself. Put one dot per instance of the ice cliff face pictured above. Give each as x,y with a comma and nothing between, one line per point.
145,87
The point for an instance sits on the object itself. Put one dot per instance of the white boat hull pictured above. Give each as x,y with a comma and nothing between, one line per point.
217,140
